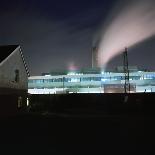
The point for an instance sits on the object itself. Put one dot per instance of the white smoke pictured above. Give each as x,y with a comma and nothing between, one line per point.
133,23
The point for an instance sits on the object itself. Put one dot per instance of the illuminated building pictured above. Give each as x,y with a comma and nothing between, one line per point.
91,81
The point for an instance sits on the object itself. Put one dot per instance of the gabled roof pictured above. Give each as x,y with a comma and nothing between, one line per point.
5,51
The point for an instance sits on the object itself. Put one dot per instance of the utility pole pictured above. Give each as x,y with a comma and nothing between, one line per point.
126,71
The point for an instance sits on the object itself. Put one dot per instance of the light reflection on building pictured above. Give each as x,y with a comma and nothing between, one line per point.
95,81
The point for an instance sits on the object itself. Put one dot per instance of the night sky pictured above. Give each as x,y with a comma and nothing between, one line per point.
59,34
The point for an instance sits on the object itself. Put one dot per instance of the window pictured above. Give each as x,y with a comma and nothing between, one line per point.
149,77
31,81
57,80
50,80
75,79
96,79
135,77
16,75
39,81
72,79
86,79
46,80
104,79
115,78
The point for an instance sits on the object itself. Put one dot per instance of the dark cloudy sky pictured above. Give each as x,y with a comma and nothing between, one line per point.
57,34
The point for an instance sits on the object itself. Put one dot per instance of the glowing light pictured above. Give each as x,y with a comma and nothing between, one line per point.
27,102
103,80
71,73
72,66
132,23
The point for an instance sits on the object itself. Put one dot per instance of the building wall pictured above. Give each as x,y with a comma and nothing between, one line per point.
92,83
7,72
145,89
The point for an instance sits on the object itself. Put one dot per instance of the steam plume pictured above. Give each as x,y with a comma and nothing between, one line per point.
132,23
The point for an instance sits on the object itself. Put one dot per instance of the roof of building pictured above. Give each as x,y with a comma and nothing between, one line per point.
6,50
130,68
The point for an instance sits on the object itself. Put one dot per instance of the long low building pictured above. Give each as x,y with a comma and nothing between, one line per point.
91,82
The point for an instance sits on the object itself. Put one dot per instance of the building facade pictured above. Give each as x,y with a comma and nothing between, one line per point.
91,82
13,79
13,70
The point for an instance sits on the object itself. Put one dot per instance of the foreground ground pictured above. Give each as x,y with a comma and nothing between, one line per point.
64,134
80,124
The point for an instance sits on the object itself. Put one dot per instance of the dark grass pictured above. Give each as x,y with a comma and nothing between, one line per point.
58,135
83,132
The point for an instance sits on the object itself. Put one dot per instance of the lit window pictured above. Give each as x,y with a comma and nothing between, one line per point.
103,79
39,81
75,79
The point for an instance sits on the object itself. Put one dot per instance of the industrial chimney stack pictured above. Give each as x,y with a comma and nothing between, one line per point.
95,57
